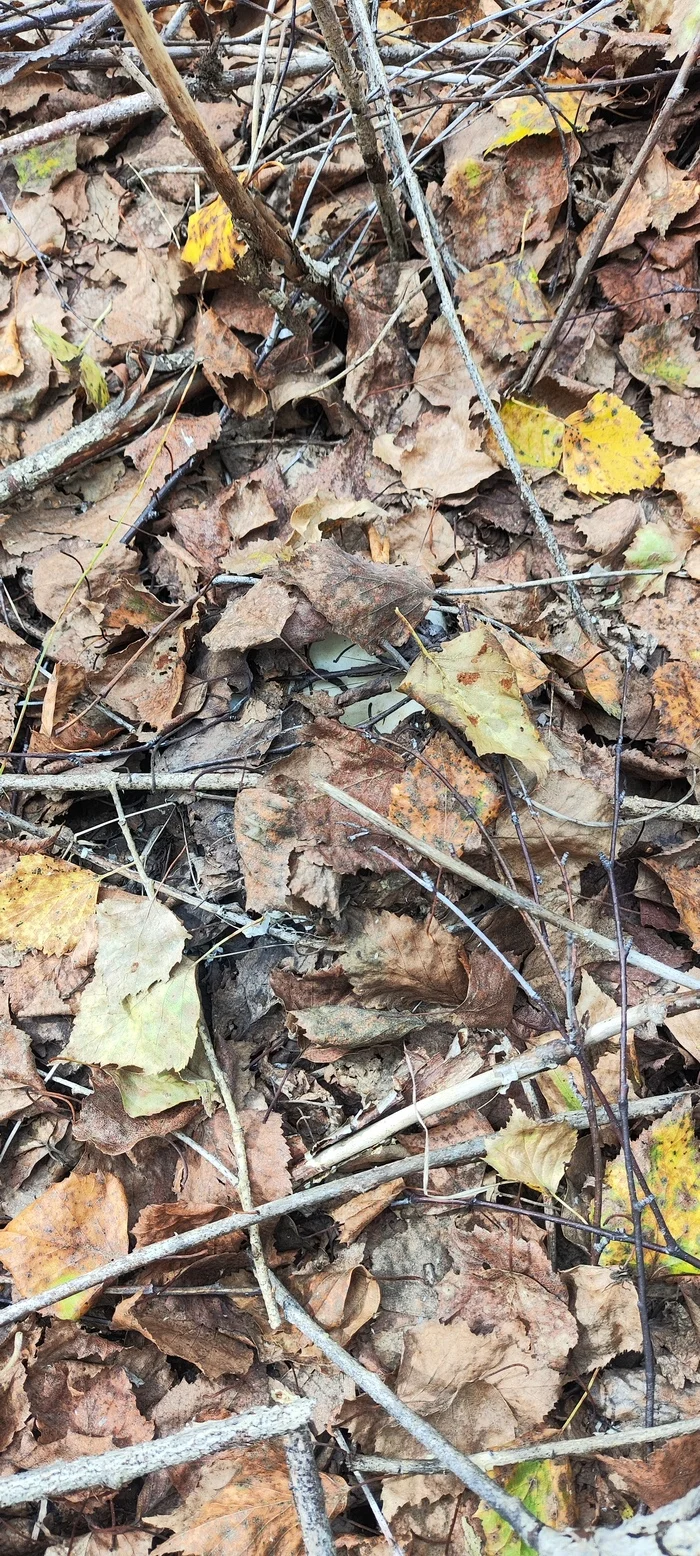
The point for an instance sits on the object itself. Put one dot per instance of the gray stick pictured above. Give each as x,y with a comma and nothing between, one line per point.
307,1491
121,1465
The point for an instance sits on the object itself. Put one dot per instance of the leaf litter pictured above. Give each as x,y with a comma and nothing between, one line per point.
259,534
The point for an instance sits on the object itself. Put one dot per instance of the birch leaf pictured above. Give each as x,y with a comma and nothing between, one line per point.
212,239
529,1152
472,683
536,435
545,1487
73,1227
668,1155
46,903
153,1031
605,449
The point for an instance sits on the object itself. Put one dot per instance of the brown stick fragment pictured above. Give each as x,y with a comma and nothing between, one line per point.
588,259
101,432
351,83
271,250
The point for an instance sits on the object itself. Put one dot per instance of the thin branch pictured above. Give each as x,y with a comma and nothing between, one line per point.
552,1448
503,893
612,211
139,866
262,1273
120,1465
307,1492
393,139
93,780
85,121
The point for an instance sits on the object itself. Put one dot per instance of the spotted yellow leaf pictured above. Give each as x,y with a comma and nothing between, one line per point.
213,242
536,435
45,904
605,449
473,685
545,1487
527,1151
668,1155
503,308
559,112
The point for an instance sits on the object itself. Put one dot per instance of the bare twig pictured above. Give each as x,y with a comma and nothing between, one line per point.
307,1492
244,1190
95,780
121,1465
496,889
552,1448
321,1194
139,866
377,79
85,121
612,211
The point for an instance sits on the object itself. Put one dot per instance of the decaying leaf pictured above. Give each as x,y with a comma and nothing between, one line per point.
668,1154
394,960
430,799
662,355
155,1030
681,873
536,435
527,1151
683,476
546,1488
73,1227
503,307
363,1209
46,903
472,684
607,1313
605,449
677,701
359,598
212,240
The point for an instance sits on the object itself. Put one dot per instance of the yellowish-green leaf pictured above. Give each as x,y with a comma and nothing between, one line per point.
473,685
545,1486
662,355
605,449
143,1094
94,382
61,350
213,242
536,435
527,1151
562,112
503,308
668,1155
138,943
46,903
656,545
42,167
153,1031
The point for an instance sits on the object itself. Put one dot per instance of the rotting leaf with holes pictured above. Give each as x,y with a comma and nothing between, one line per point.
473,685
75,1226
528,1151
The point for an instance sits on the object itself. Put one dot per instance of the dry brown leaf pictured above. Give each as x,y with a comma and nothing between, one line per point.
502,307
528,1151
686,1030
357,1213
681,873
20,1084
341,1299
662,1477
443,455
394,960
228,366
359,598
46,903
252,618
242,1504
677,702
73,1227
213,1339
606,1310
428,800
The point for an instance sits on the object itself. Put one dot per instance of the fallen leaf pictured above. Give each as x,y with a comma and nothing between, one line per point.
228,365
663,356
94,382
243,1507
668,1155
43,166
214,1339
663,1476
360,1211
471,683
534,433
546,1489
503,307
342,1028
11,359
138,943
657,545
445,457
686,1030
608,528
569,111
46,903
605,449
429,799
20,1084
252,618
36,225
155,1030
527,1151
393,960
607,1313
359,598
677,702
73,1227
683,477
681,873
341,1299
212,240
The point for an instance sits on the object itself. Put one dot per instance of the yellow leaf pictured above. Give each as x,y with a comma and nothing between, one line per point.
668,1155
153,1031
71,1228
143,1095
530,670
94,383
529,1152
545,1487
605,449
472,684
503,308
561,112
11,359
535,434
212,240
61,350
46,903
427,801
